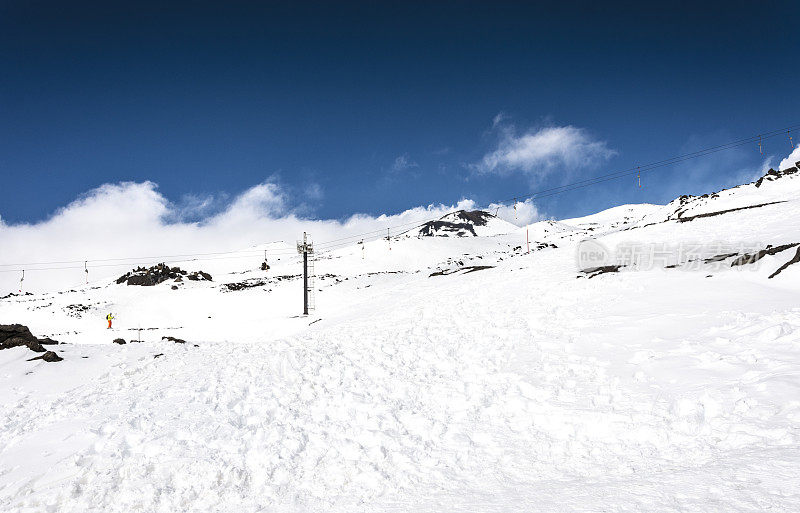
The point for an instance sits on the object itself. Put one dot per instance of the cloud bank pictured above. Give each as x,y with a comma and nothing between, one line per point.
538,153
133,219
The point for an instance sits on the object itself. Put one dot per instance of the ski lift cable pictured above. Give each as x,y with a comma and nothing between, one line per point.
128,264
151,258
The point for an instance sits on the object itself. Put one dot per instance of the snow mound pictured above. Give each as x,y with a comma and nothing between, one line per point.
612,218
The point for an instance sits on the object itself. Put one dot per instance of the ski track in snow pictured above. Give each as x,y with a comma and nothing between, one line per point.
519,387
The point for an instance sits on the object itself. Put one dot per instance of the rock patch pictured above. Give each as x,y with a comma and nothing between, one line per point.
16,335
597,271
773,175
721,212
755,257
149,276
173,339
48,356
794,260
466,269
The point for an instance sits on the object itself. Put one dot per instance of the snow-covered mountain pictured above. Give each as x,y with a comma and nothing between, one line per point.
465,223
455,373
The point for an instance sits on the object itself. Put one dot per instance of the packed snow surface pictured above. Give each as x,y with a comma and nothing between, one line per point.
436,374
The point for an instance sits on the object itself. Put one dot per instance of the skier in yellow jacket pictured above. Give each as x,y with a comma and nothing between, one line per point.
109,318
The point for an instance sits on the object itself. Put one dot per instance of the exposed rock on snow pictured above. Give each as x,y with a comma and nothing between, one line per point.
755,257
15,335
120,341
773,175
147,277
199,276
466,269
173,339
48,356
794,260
76,311
596,271
246,284
720,212
12,294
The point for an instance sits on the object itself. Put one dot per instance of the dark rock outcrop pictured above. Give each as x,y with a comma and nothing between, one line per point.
466,269
10,295
597,271
149,276
15,335
173,339
77,310
720,212
773,175
199,276
48,356
247,284
755,257
794,260
120,341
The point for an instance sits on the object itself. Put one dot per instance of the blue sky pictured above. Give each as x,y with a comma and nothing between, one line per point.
378,108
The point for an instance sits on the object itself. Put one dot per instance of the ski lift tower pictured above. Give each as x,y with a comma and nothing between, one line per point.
305,247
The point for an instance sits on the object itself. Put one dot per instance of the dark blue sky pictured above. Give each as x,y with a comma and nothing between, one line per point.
211,99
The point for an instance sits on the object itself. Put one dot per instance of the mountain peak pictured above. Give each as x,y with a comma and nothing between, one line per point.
466,223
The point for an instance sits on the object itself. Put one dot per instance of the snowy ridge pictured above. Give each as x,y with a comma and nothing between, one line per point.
439,374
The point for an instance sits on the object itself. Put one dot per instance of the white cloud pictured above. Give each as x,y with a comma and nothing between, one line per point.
540,152
131,219
524,212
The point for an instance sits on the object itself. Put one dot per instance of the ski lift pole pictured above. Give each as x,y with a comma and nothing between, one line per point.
305,248
86,270
789,133
528,238
21,280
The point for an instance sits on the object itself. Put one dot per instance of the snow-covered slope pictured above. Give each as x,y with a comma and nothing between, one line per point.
451,373
612,218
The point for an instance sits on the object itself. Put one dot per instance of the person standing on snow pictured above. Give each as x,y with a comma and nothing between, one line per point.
109,318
